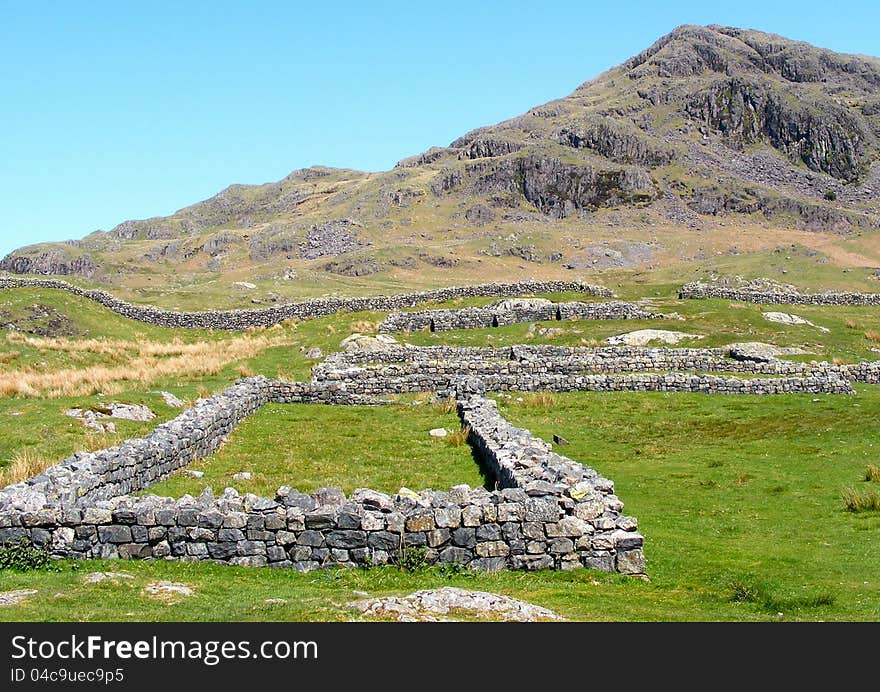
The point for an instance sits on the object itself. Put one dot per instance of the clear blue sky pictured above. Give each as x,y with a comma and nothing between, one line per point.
117,110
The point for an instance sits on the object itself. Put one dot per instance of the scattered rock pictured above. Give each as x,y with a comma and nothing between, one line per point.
11,598
438,432
275,601
168,590
642,337
788,319
91,417
98,577
192,473
362,343
244,285
39,320
242,476
427,605
551,332
623,254
171,400
314,353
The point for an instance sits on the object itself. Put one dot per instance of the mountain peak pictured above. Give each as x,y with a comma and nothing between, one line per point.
708,124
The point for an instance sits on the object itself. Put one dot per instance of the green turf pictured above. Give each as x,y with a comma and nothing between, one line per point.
308,446
739,498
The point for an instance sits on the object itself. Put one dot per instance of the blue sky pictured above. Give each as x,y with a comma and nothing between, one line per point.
117,110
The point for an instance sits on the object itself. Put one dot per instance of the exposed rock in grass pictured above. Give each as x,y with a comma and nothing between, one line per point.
362,342
244,285
168,590
171,400
39,320
11,598
788,319
431,604
438,432
242,476
91,417
314,353
98,577
642,337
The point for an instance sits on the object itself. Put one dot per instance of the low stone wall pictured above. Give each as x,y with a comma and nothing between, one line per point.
499,316
547,512
239,320
699,290
387,380
614,368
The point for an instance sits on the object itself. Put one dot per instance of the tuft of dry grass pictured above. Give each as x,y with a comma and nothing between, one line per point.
25,463
8,356
445,406
841,361
872,473
873,337
458,437
145,365
539,400
867,500
364,327
245,371
589,342
852,324
331,329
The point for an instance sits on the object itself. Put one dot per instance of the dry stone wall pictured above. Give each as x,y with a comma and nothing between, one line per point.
698,290
530,368
511,312
546,511
239,320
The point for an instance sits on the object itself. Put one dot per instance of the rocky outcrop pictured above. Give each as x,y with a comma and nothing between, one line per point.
617,142
332,238
825,137
51,262
557,189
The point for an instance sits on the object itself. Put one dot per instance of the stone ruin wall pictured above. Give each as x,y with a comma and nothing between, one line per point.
499,316
547,512
699,290
239,320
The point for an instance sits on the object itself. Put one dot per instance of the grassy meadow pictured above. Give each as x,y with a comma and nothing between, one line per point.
742,500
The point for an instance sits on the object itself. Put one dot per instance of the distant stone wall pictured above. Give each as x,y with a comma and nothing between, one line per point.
499,316
560,369
703,290
239,320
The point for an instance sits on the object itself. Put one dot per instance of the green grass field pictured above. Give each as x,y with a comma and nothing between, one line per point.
739,498
308,446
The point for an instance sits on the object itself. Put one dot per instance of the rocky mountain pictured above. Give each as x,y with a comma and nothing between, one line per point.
710,127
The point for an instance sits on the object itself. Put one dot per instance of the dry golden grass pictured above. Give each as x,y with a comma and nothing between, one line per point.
445,406
852,324
538,400
872,473
873,337
589,342
8,356
24,464
458,438
364,327
841,361
150,362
